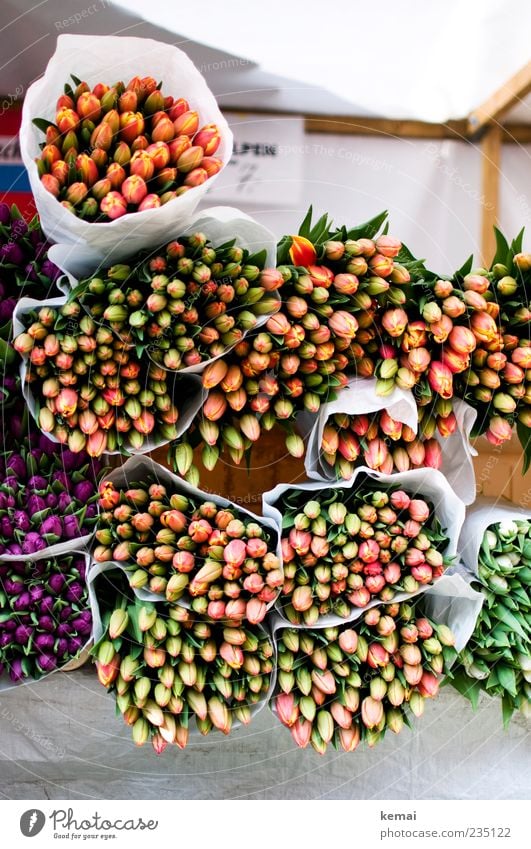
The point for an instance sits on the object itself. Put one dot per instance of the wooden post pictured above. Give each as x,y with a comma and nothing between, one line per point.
490,184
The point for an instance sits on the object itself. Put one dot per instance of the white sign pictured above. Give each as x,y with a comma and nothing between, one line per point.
267,162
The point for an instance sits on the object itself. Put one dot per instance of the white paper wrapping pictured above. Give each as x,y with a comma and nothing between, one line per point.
72,547
360,397
220,224
137,468
97,631
109,59
426,483
484,513
193,387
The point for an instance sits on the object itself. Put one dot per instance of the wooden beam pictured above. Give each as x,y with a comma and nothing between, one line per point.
346,125
499,103
490,185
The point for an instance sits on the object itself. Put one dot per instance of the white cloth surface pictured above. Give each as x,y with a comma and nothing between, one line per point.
60,739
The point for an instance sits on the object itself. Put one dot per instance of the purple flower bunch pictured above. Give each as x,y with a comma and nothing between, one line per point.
45,619
24,263
48,495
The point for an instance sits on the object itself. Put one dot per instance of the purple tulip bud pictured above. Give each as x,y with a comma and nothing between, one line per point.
65,613
51,500
62,477
31,274
71,461
33,543
11,482
9,624
37,482
3,501
14,548
12,253
47,603
6,528
75,644
5,639
44,642
39,567
62,647
71,527
75,592
36,239
17,465
46,662
22,602
51,525
36,453
81,567
5,213
47,446
13,587
16,672
46,623
50,270
63,629
81,625
23,634
91,511
7,308
36,593
15,422
64,501
21,520
84,490
19,228
35,504
19,567
56,582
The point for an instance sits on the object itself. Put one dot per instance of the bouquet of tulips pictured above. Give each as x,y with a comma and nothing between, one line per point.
185,303
167,667
497,660
47,495
123,148
348,684
345,547
244,399
497,385
177,543
24,264
88,387
45,619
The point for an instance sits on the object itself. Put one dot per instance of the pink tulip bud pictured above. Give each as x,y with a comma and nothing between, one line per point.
453,307
286,708
300,541
440,379
372,712
346,284
349,738
255,611
423,573
498,431
376,453
341,715
359,597
343,324
400,499
394,321
428,685
301,732
388,246
377,656
419,510
113,205
348,641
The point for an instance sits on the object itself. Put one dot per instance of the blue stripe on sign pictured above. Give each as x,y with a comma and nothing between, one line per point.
14,178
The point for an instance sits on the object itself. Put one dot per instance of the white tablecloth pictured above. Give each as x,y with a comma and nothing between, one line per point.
60,739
